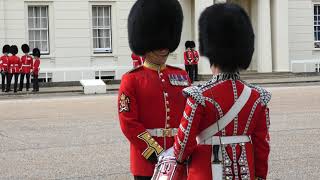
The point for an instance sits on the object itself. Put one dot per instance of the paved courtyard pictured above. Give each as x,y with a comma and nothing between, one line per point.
78,137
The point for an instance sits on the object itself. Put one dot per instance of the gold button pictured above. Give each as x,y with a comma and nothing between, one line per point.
167,102
168,110
166,94
168,118
163,80
168,126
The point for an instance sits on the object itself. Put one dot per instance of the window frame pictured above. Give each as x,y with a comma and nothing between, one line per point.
47,6
106,51
315,26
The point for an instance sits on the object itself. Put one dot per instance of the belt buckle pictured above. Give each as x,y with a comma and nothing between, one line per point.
167,132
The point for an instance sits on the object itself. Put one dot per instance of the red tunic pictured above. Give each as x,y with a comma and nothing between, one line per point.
36,66
188,57
149,99
207,104
26,64
14,64
4,60
195,57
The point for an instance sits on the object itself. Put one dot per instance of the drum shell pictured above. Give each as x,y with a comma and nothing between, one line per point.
169,169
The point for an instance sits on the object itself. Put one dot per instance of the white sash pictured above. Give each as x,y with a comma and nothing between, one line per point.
217,169
227,118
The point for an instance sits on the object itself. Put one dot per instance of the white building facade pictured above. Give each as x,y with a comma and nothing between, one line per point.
86,39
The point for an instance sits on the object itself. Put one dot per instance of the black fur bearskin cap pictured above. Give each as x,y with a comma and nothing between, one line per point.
187,44
192,44
154,25
25,48
36,52
226,37
14,49
6,49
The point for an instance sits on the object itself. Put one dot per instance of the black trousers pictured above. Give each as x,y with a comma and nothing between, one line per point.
16,78
195,70
142,177
9,77
190,71
35,83
3,80
22,79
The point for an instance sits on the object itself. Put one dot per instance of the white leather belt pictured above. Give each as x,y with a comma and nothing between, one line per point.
25,65
160,132
215,140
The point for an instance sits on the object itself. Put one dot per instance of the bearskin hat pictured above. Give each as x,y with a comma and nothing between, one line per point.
154,24
187,44
36,52
192,44
25,48
226,37
6,49
14,50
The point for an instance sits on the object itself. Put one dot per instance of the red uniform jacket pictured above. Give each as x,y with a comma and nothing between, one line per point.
4,63
195,57
36,66
136,60
14,64
188,57
208,103
149,99
26,64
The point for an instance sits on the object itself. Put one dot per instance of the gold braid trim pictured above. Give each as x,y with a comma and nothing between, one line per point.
153,146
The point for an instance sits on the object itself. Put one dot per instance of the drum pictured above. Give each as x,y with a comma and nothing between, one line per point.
169,169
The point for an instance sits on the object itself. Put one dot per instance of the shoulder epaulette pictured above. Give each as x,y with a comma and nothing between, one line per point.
196,94
208,85
134,69
265,95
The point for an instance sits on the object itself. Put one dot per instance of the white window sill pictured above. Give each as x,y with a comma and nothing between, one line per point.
103,55
47,57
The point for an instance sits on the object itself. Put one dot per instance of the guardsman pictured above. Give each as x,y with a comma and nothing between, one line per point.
195,60
188,60
35,69
150,101
14,66
225,124
26,66
4,60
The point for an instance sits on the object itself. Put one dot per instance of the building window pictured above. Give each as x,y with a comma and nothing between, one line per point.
316,25
101,29
38,28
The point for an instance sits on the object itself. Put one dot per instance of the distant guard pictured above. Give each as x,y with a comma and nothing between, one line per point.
26,66
4,60
35,69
